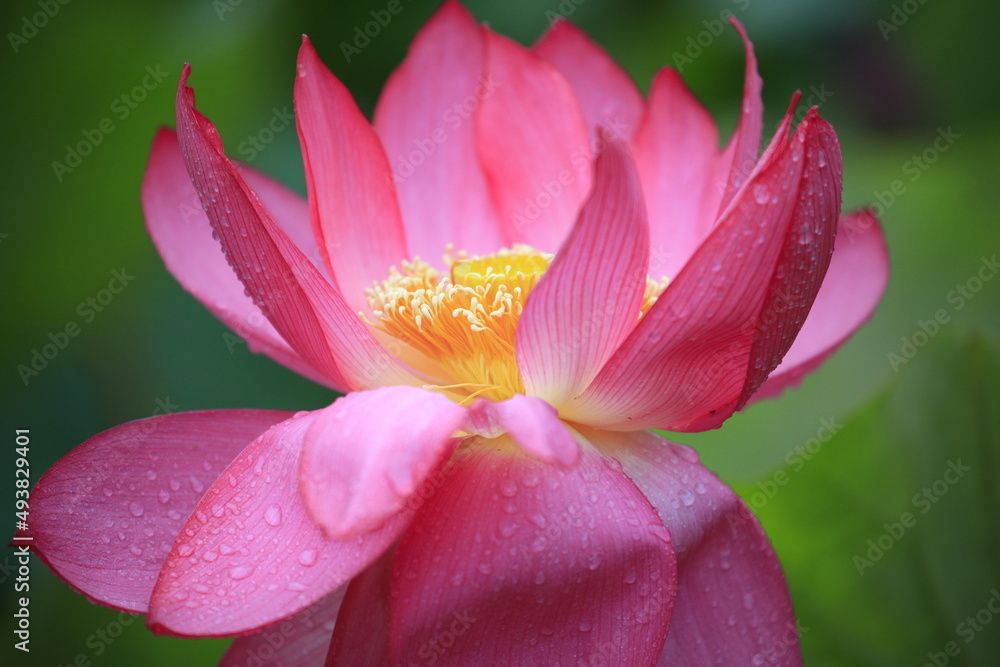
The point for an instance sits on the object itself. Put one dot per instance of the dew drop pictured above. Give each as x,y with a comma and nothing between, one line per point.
308,557
135,509
761,194
508,488
273,515
185,550
135,551
687,498
240,572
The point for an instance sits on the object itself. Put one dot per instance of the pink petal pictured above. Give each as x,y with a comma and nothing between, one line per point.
533,143
517,562
737,162
303,307
589,298
854,283
250,554
733,606
367,454
731,314
183,235
531,423
607,95
424,119
362,633
299,641
351,197
104,516
676,149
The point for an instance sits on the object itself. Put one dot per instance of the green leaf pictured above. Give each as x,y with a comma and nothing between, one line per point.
890,531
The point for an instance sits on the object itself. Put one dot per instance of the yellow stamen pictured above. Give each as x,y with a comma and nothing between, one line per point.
466,322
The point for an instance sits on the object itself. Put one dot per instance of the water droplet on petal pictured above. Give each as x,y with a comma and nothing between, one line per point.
308,557
761,194
273,515
508,488
135,509
240,572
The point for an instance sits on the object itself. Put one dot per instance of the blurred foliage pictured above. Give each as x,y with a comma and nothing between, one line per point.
895,72
888,531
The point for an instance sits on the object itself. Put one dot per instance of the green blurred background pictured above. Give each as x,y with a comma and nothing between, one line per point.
889,76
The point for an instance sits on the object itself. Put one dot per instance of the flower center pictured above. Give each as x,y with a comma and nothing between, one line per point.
465,322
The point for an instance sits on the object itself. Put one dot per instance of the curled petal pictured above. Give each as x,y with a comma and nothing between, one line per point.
854,283
726,321
531,422
739,159
367,454
182,233
303,307
250,553
104,516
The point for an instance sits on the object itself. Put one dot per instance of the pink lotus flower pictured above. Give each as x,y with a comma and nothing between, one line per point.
487,492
